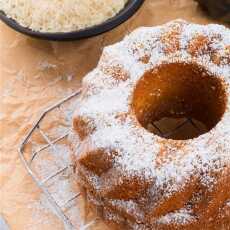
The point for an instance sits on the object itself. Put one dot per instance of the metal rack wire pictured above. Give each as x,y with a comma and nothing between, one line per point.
33,155
50,143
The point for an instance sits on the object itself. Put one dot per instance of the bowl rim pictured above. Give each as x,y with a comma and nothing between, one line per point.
131,7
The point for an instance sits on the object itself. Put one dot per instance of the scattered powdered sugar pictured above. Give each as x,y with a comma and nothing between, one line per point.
228,203
39,209
106,98
131,208
60,187
118,99
45,65
52,160
182,216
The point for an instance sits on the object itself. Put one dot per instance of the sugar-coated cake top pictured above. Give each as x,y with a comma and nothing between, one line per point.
105,105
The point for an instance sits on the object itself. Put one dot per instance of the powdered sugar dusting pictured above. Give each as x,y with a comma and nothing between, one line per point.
61,187
228,203
106,99
182,216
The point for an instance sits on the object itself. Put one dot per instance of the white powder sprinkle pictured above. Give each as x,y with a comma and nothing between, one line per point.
105,97
182,216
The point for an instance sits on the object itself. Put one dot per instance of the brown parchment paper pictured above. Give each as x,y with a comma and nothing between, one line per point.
33,75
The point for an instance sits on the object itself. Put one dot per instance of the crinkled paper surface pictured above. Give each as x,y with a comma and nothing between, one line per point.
35,74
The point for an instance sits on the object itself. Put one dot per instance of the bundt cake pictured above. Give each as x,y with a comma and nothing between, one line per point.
141,180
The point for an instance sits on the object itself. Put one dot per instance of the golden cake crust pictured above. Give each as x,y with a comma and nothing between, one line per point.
138,179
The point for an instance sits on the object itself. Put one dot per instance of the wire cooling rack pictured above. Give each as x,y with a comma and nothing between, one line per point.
29,157
30,151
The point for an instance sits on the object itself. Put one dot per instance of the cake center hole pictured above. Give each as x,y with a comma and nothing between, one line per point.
179,101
